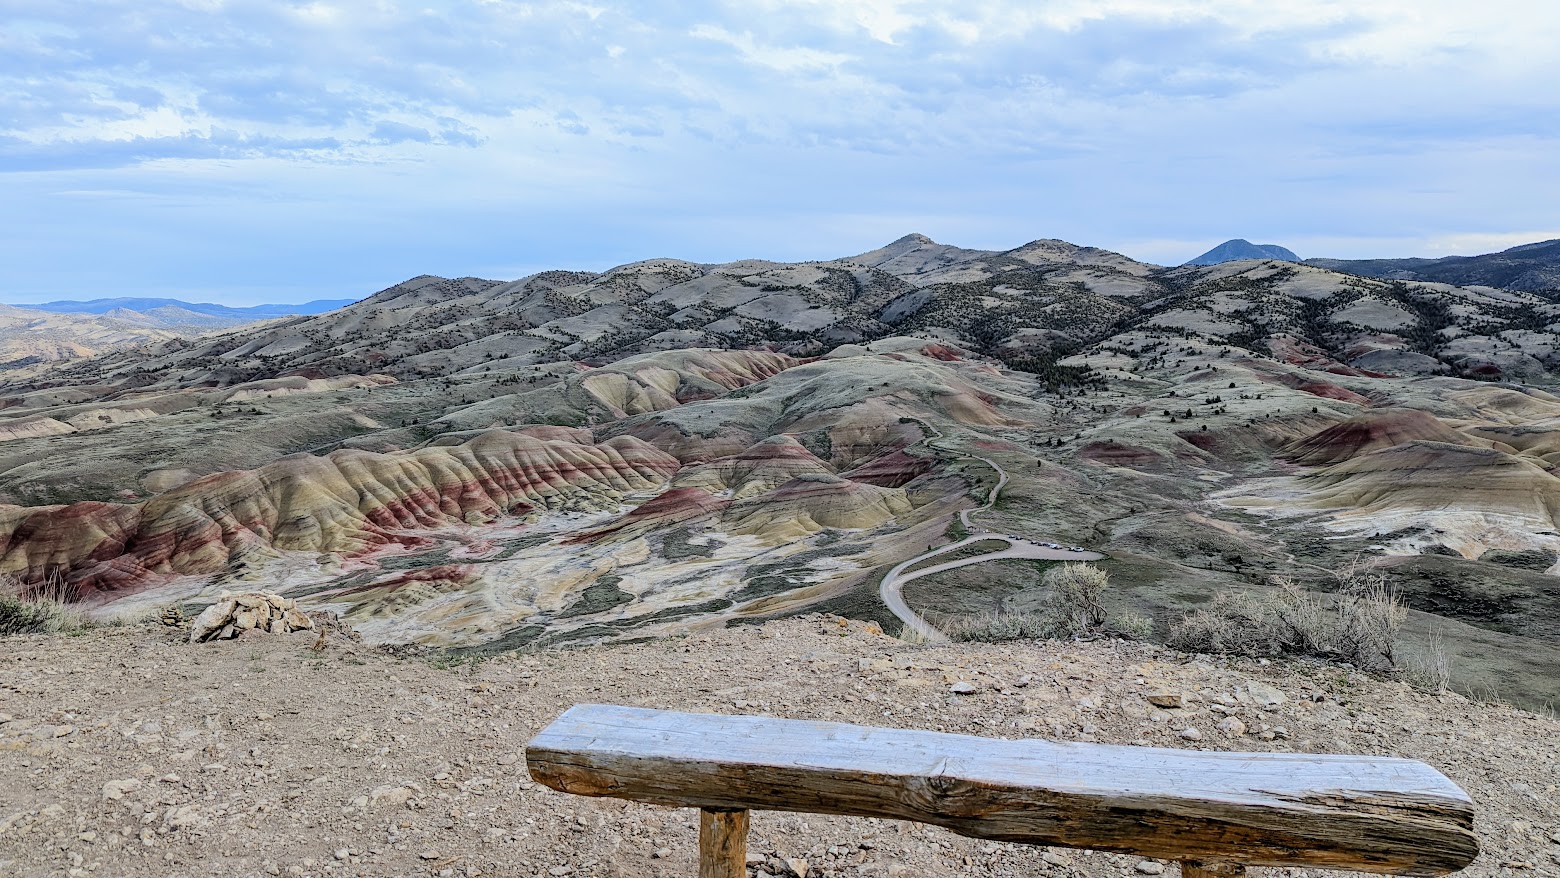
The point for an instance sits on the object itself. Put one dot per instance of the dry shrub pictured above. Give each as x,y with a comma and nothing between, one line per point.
997,627
1074,601
1072,609
1358,624
44,609
1429,668
1131,627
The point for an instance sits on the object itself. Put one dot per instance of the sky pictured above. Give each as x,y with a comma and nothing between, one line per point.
245,152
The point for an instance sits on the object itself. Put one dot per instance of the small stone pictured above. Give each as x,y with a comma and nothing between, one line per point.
560,871
1166,699
661,854
1232,726
1149,867
390,795
962,688
1191,734
341,853
115,790
1265,696
431,854
1053,858
1134,710
798,866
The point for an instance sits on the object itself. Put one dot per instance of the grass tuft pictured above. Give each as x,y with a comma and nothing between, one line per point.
41,609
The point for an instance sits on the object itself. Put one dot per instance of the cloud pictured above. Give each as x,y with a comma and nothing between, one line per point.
783,127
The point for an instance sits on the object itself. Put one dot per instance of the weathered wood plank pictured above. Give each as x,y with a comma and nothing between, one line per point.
723,844
1261,809
1212,870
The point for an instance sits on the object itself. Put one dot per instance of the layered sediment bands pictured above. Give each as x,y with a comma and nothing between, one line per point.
1372,430
1437,476
1539,442
672,506
804,506
1311,384
893,470
757,469
1508,405
347,502
658,382
291,384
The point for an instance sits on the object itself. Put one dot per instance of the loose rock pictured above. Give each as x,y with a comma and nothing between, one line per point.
234,614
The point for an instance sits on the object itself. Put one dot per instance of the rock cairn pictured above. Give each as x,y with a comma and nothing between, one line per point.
233,614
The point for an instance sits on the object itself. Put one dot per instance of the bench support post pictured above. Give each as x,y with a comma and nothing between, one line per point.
1192,869
723,843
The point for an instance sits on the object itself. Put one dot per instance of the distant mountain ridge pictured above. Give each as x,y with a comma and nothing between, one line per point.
143,305
1528,267
1030,307
1236,249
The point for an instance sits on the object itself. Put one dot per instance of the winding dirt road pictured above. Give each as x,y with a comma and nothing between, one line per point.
892,588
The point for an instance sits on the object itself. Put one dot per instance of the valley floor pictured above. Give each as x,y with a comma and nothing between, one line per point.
128,752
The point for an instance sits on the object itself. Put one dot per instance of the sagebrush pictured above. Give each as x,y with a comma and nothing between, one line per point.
1357,624
1073,607
44,609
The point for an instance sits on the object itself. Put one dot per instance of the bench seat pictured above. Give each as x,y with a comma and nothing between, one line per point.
1362,813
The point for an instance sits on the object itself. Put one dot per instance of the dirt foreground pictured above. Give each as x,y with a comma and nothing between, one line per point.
128,752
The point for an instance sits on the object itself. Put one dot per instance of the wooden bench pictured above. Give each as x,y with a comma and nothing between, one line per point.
1215,813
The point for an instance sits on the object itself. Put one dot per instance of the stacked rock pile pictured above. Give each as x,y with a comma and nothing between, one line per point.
233,614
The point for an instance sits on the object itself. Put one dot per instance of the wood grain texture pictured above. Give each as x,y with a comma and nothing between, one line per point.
723,844
1261,809
1212,870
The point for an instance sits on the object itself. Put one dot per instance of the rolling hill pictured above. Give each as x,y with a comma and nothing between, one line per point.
1529,267
479,464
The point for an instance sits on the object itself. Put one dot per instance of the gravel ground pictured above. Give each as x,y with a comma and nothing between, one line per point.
128,752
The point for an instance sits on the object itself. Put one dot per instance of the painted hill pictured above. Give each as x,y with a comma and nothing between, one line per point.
1210,427
1237,249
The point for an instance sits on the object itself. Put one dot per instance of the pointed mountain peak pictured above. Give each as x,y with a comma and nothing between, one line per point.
913,239
1240,248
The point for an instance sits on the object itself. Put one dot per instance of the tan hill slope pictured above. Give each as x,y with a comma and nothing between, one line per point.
135,753
29,336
